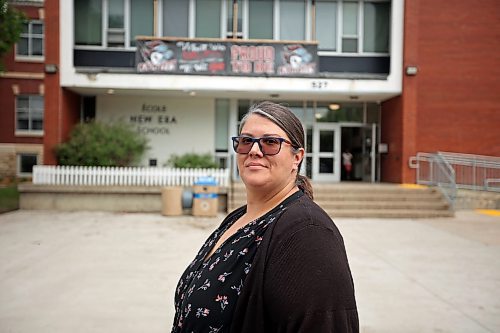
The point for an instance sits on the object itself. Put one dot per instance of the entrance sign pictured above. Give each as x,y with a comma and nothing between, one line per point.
226,57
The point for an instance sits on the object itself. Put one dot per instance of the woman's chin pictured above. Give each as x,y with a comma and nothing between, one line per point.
253,180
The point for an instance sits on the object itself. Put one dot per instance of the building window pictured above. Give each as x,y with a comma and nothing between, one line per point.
376,26
260,19
292,20
29,114
175,18
88,22
112,23
138,25
326,24
25,163
30,43
349,26
208,18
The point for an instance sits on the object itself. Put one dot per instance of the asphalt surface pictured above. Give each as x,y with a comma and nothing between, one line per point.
109,272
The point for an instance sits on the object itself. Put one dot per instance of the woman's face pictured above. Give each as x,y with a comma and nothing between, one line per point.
272,171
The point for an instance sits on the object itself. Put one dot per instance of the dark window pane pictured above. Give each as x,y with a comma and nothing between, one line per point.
37,47
22,47
88,22
326,143
326,164
37,28
26,163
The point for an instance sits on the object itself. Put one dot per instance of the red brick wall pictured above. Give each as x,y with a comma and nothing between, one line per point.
8,109
392,135
61,105
459,77
453,103
12,65
26,86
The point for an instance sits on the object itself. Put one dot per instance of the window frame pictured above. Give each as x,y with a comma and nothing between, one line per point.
29,131
308,33
29,35
360,35
19,156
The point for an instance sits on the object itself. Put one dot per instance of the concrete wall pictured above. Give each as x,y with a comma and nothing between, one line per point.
468,199
99,198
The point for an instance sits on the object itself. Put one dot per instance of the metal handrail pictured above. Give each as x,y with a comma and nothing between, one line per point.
450,171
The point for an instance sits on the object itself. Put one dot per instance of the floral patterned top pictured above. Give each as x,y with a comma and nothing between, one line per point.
208,290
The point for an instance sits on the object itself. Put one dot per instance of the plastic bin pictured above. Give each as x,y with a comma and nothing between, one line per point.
171,201
205,197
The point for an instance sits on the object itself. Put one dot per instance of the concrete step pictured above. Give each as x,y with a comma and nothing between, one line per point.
389,213
406,204
369,200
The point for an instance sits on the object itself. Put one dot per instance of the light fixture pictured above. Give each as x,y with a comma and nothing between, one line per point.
110,91
334,107
192,93
50,68
411,70
318,115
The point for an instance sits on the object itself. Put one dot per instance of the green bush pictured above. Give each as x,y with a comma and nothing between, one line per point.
192,160
97,144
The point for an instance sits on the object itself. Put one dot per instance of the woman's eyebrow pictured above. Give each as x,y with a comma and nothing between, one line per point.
264,135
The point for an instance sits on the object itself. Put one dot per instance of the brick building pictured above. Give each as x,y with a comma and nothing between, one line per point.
22,96
384,79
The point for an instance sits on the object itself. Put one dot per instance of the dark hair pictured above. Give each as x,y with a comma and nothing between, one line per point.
288,122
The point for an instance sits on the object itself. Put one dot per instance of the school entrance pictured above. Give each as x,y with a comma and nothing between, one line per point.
332,129
325,161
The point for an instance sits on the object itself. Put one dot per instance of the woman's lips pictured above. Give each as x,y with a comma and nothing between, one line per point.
255,165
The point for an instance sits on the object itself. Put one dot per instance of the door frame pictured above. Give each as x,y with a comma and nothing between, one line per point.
335,154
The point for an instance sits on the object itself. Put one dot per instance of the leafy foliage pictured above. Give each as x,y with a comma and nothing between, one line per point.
192,160
97,144
11,24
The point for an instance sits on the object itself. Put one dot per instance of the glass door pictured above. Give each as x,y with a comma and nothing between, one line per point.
326,152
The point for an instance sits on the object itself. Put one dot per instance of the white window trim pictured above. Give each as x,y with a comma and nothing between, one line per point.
23,132
31,58
245,26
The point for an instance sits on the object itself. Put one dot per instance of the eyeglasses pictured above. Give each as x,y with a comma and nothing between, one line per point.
268,145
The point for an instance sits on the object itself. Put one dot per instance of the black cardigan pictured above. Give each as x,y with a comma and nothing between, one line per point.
300,279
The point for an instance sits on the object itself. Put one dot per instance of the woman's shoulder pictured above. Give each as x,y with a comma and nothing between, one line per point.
303,214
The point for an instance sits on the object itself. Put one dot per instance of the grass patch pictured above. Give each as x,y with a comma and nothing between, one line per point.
9,199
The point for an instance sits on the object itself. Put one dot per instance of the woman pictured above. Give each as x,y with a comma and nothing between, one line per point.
277,264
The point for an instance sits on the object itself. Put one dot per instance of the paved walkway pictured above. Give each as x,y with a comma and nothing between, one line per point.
104,272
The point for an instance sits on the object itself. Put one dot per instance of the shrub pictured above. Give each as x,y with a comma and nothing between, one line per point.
192,160
97,144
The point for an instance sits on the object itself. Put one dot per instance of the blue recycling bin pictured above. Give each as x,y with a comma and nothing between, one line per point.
205,197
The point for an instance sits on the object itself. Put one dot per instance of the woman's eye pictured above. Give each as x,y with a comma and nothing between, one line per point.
271,141
246,141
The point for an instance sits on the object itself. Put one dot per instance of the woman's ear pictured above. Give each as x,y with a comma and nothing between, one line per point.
298,156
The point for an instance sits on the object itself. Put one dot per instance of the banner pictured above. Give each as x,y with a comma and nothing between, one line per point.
226,58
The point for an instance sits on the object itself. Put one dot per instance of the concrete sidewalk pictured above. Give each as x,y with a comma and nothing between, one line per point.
106,272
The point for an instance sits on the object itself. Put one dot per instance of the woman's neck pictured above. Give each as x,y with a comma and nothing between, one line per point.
260,202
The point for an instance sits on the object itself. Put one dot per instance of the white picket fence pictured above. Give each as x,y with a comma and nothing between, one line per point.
128,176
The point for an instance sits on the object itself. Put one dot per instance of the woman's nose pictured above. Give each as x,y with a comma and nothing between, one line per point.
255,149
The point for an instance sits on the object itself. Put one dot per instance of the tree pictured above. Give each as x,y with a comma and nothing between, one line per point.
11,25
97,144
